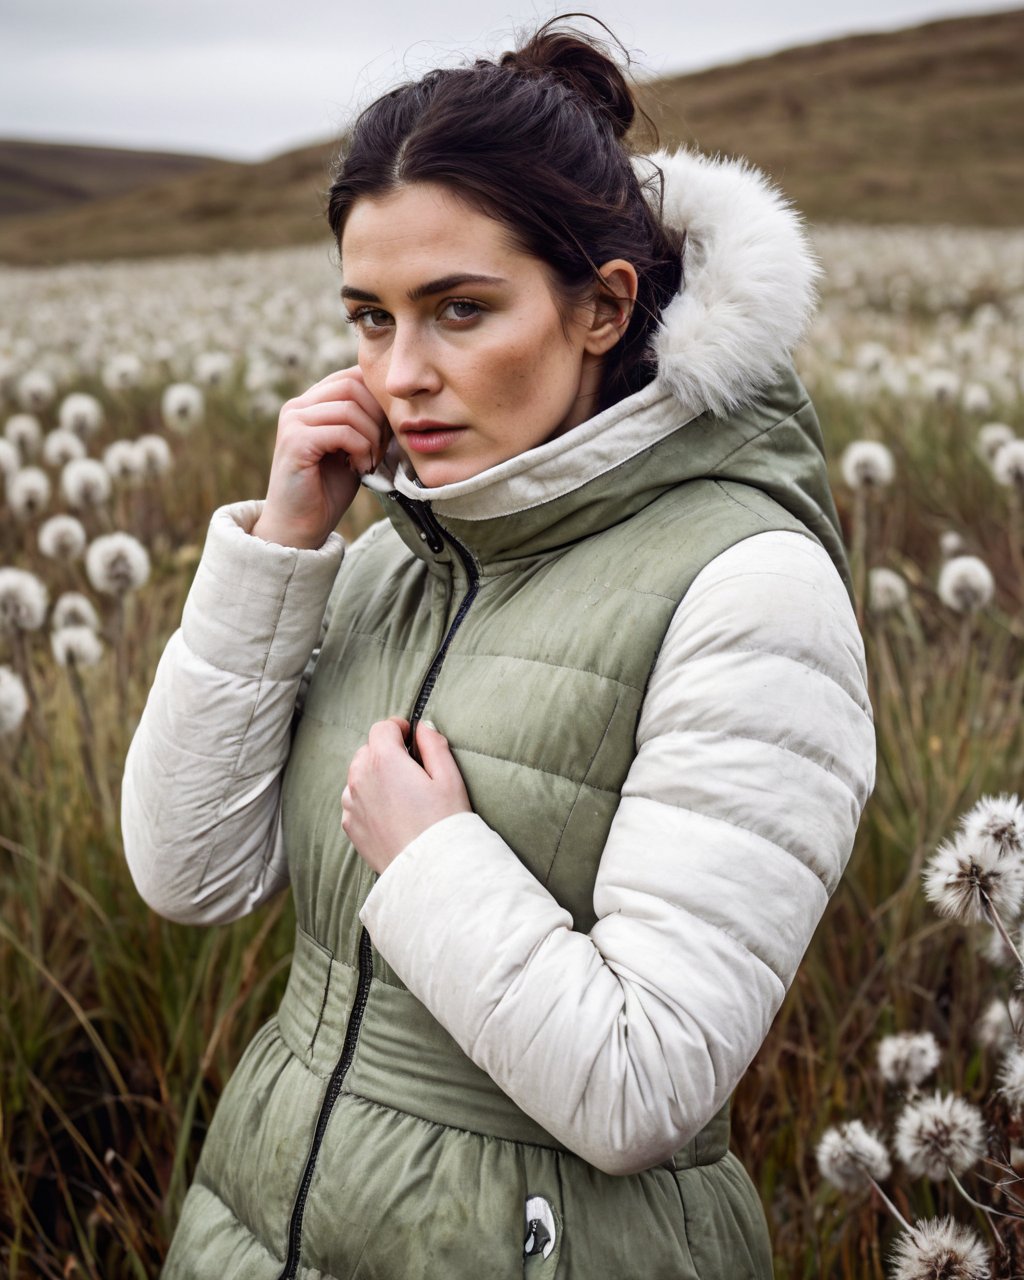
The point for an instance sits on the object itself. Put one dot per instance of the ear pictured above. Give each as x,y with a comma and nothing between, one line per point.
612,313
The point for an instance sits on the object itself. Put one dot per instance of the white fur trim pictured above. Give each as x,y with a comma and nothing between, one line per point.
749,279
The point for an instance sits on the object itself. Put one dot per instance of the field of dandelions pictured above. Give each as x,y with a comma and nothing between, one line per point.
883,1119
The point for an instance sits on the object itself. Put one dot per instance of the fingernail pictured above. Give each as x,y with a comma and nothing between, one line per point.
429,724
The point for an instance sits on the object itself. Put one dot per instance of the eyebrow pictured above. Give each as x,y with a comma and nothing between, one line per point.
424,290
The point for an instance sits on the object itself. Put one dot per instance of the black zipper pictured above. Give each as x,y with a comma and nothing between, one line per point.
434,537
348,1050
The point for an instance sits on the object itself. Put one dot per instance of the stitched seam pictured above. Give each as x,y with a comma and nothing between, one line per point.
683,808
214,1194
763,742
579,792
734,499
542,662
755,439
536,768
323,1006
455,1128
218,844
788,657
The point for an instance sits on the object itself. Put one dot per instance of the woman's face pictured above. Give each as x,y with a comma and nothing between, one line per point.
486,359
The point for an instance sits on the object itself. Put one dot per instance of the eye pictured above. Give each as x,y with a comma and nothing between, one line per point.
357,318
463,302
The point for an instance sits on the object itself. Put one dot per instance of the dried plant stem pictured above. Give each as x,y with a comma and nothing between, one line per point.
121,656
889,1204
87,741
994,916
23,666
1016,536
859,542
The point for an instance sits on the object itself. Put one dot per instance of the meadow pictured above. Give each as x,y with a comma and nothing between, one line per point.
119,1029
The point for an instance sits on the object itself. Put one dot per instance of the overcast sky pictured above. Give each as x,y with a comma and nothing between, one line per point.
245,79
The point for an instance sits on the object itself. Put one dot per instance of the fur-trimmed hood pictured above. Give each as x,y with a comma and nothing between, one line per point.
748,292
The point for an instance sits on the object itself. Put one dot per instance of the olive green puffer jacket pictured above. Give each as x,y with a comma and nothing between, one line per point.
513,1053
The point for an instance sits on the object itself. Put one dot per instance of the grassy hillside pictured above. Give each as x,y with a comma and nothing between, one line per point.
921,125
41,178
917,126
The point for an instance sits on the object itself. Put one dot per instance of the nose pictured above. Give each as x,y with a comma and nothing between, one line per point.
411,369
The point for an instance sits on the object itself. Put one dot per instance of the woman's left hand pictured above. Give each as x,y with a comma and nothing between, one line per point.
389,799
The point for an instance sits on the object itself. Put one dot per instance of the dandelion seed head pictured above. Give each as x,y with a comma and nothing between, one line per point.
848,1154
182,406
1001,1024
966,584
24,432
848,382
213,368
124,460
976,398
116,563
991,438
76,646
85,482
73,609
122,372
997,952
966,879
28,492
81,414
1008,465
871,356
10,458
939,1133
62,538
887,590
867,464
941,384
940,1249
13,700
908,1058
951,544
36,390
156,455
61,446
23,600
997,818
1010,1078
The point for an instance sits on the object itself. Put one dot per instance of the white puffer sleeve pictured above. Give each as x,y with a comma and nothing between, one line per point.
201,793
756,756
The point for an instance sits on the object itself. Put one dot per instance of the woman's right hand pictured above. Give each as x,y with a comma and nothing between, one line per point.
326,439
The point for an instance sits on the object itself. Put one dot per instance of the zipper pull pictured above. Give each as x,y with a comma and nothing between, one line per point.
418,513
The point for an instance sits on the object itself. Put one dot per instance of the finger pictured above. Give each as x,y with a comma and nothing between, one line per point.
334,437
387,735
347,413
343,386
346,799
338,411
434,750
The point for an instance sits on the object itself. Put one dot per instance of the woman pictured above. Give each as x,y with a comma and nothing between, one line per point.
586,735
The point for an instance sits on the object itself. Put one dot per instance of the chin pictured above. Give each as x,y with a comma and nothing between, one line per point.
434,472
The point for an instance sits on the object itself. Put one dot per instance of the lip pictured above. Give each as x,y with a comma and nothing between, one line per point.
426,436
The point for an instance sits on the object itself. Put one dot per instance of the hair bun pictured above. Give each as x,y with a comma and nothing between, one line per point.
583,65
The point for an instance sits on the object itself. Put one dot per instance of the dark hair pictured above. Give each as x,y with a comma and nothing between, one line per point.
537,142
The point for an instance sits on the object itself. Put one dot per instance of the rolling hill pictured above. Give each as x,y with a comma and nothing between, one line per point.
39,178
921,125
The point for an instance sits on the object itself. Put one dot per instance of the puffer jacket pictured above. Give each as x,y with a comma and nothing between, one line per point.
513,1053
